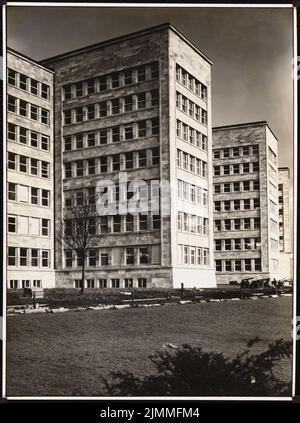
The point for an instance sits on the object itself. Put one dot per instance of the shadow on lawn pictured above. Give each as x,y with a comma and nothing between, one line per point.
189,371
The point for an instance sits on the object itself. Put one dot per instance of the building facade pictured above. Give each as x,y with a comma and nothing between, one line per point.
30,202
140,105
285,234
246,219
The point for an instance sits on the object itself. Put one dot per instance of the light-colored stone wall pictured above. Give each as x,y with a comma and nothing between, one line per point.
17,208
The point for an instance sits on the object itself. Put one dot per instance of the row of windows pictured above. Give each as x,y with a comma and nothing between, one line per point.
272,156
226,153
28,195
192,193
238,168
237,244
236,205
128,132
272,172
112,283
111,81
236,187
190,108
193,255
244,224
24,225
28,165
28,257
191,135
25,83
25,283
114,163
191,163
112,107
28,110
190,82
193,224
27,137
127,256
242,265
144,191
121,223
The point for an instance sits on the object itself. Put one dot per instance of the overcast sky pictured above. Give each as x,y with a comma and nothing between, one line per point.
251,50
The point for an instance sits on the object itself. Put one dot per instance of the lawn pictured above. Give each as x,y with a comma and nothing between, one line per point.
67,354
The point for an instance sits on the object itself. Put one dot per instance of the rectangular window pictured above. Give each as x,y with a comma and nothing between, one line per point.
102,283
142,131
11,131
104,259
68,143
44,143
155,126
103,165
33,112
128,77
129,256
116,134
129,223
45,91
115,106
92,257
128,132
12,191
23,82
141,72
34,167
143,255
143,222
67,92
34,257
12,77
103,136
34,195
67,117
68,170
103,109
23,164
128,103
45,227
12,159
218,265
45,116
12,104
23,256
117,223
247,263
12,224
142,283
103,83
45,170
237,265
141,101
115,283
79,168
129,160
12,256
79,115
23,107
90,86
154,98
91,166
155,156
90,112
45,258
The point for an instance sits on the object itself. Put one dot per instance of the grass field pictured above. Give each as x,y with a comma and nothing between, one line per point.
67,354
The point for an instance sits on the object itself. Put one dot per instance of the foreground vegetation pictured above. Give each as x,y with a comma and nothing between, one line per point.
71,353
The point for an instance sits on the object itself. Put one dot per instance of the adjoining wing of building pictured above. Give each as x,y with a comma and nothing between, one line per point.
140,104
246,220
30,202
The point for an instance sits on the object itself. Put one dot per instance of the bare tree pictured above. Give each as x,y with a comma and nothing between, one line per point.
78,229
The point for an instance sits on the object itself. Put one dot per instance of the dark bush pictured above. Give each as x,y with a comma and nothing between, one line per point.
190,371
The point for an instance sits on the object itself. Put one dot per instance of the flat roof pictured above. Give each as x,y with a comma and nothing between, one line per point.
244,125
125,37
28,59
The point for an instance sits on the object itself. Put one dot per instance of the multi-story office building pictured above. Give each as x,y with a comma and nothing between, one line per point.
246,221
139,104
30,241
285,233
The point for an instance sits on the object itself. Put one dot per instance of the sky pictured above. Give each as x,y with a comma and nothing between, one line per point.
251,50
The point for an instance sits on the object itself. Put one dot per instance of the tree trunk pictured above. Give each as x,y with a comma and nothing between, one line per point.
83,273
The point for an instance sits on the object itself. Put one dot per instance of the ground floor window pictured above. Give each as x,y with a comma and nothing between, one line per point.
13,284
90,283
25,283
115,283
102,283
37,283
142,282
77,283
128,283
